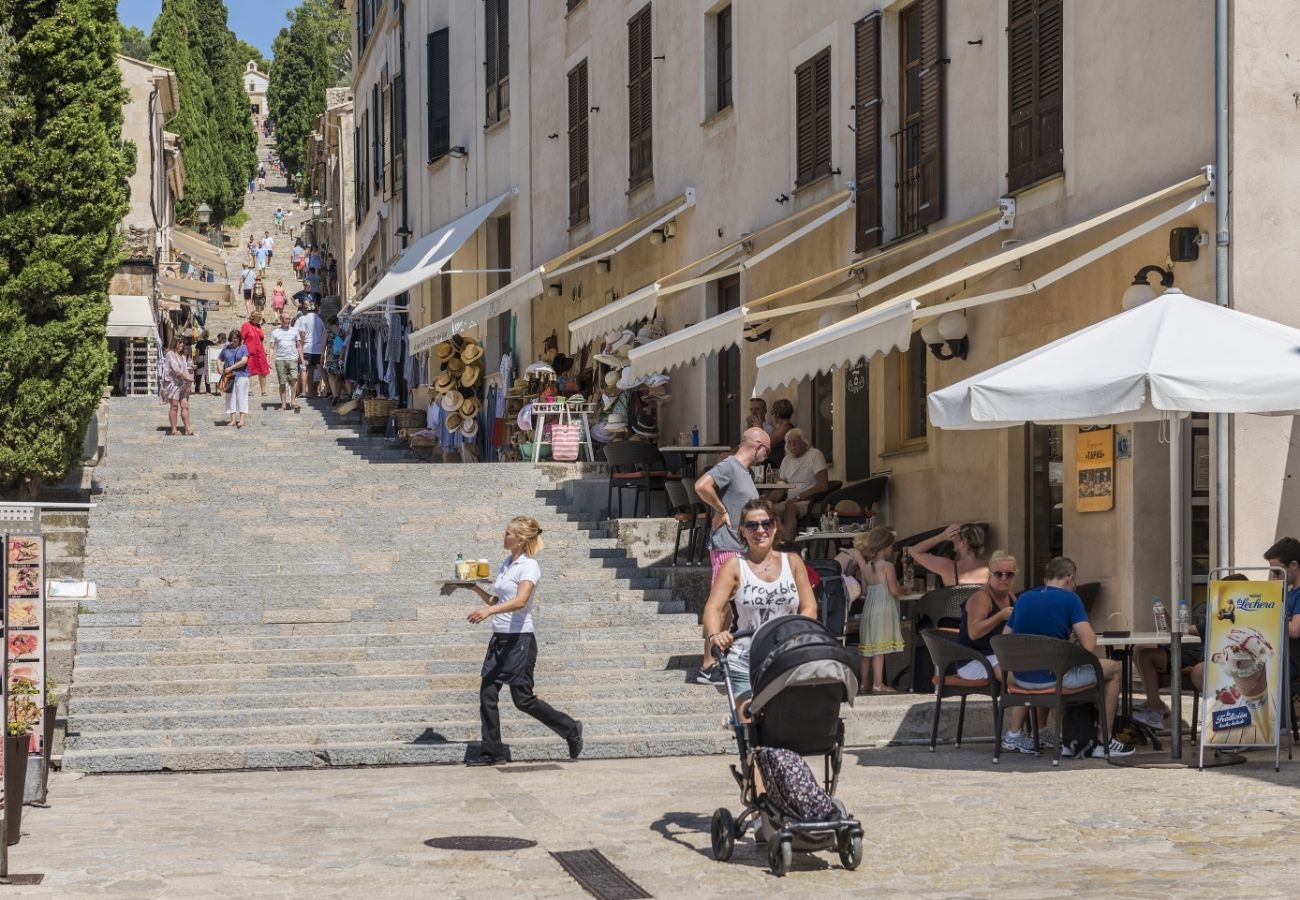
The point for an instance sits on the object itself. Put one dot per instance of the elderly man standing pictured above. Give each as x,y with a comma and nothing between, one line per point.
726,488
804,469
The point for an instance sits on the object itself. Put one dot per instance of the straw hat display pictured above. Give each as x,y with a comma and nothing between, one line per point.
616,422
469,377
455,365
469,408
472,352
469,427
451,401
454,421
443,383
444,350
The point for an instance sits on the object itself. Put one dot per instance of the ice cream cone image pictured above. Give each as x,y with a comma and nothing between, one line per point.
1244,655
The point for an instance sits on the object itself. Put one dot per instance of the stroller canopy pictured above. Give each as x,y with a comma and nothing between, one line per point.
798,651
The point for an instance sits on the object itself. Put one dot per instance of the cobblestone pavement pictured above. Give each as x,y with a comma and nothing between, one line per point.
938,825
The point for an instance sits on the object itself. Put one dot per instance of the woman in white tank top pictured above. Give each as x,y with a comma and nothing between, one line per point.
764,582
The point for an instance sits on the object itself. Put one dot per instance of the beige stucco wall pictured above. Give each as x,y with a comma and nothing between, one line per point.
142,124
1265,461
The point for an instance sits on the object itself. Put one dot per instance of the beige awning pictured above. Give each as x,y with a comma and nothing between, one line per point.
131,316
684,347
506,299
638,305
861,337
626,234
189,287
194,248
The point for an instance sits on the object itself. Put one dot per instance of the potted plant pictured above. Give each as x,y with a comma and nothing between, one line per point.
24,715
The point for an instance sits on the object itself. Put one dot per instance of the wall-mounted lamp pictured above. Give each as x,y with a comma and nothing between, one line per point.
667,233
946,336
1140,291
602,265
205,213
403,232
458,152
555,290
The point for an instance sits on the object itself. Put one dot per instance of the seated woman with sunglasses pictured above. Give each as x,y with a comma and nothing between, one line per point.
985,614
764,582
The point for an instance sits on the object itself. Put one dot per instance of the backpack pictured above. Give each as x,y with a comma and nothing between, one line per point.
792,787
1079,729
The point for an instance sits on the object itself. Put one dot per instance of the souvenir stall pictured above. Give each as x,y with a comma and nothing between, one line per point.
593,401
457,399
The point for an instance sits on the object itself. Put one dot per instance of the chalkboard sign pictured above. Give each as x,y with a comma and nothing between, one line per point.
857,419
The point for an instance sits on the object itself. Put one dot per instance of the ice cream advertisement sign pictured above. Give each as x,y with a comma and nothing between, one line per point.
1243,665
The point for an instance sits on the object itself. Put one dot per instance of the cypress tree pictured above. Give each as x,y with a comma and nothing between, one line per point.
62,196
309,56
230,114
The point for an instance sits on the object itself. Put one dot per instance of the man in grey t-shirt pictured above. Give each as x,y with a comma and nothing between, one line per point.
725,489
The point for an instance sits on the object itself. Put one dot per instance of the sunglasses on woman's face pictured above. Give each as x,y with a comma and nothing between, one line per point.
1003,574
756,524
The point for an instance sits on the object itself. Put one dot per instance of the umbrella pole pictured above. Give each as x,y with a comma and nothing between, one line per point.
1175,583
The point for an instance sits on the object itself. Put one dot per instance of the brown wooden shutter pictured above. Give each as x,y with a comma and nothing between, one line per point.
438,72
866,124
805,142
579,147
822,113
931,120
1034,67
490,13
503,57
640,98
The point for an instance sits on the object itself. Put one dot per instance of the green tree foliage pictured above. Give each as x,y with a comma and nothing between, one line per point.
191,38
135,43
309,56
247,53
62,196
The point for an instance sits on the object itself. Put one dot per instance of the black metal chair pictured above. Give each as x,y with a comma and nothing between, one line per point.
948,656
832,595
687,516
638,466
1032,652
703,522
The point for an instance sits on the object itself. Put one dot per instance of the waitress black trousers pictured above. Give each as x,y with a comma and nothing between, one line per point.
510,660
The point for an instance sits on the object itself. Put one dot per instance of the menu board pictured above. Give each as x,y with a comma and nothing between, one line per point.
1096,468
24,634
1244,653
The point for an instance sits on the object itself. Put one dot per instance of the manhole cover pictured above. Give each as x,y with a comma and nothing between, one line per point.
598,876
479,842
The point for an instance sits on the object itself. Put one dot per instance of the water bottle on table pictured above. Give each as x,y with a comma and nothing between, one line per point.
1158,610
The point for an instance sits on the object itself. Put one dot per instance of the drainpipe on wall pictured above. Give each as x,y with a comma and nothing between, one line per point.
1222,543
401,66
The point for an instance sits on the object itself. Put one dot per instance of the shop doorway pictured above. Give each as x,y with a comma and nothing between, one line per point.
1046,498
730,391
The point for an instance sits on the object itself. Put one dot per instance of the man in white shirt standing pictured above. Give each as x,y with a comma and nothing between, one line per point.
269,243
287,341
804,469
311,328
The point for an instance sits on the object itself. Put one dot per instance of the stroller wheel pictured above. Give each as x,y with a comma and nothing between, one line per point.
779,855
722,832
851,851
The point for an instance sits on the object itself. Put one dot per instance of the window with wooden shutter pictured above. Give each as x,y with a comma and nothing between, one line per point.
639,98
579,146
438,75
376,137
496,58
398,153
356,171
812,94
1035,75
722,42
386,133
866,127
931,136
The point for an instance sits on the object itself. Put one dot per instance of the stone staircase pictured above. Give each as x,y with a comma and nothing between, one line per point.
269,598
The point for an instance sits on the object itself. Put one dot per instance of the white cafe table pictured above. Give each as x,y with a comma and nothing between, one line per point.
771,486
1126,643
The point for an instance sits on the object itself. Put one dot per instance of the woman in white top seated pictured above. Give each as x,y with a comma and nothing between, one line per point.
512,651
765,584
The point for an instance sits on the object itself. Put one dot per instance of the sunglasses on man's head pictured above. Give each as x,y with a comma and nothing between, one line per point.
756,524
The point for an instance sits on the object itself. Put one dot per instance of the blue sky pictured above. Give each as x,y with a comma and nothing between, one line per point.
256,21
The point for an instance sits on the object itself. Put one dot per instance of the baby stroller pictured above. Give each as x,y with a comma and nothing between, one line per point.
800,675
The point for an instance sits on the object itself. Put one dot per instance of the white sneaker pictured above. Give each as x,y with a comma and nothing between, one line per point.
1117,748
1151,718
1019,742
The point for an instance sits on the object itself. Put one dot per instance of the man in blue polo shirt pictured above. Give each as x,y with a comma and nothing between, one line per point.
1055,610
1285,554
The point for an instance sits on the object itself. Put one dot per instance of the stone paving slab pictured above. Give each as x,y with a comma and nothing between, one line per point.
938,825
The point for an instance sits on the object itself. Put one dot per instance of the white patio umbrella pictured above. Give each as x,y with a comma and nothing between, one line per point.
1163,360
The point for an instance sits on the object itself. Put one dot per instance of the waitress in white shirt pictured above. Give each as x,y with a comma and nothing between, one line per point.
512,652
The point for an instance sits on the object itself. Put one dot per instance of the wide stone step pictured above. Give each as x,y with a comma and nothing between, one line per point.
395,753
703,703
90,659
422,642
458,730
627,625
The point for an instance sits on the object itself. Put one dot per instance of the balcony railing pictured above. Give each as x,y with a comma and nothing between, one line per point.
909,185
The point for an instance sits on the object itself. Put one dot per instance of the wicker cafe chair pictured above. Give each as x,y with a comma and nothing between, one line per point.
940,608
637,466
866,494
1030,652
948,656
703,522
